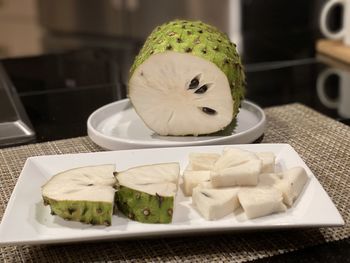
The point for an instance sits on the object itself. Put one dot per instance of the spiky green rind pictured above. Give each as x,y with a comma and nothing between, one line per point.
89,212
202,40
144,207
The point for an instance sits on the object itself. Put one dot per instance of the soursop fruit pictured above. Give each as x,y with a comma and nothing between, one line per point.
83,194
146,193
188,79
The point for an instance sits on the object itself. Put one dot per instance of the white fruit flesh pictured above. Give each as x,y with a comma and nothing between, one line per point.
268,161
161,179
291,183
91,183
202,161
245,174
159,91
206,184
215,203
261,201
232,157
192,179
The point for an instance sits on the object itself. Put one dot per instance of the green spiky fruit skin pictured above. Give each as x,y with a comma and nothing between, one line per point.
144,207
202,40
89,212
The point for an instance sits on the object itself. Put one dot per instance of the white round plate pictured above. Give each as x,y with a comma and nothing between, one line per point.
116,126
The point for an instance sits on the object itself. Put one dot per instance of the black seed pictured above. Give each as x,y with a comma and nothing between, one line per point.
178,40
205,194
194,83
204,51
146,212
188,50
200,31
208,111
169,47
53,213
226,61
152,51
170,211
219,40
202,89
71,210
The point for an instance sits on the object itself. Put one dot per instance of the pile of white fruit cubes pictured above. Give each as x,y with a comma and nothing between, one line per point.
221,183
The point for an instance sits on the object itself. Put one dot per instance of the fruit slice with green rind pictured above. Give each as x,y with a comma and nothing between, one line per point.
146,193
187,79
84,194
144,207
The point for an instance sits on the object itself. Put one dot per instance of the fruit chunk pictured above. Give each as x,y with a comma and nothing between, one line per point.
215,203
245,174
268,161
202,161
192,179
83,194
290,182
261,201
146,193
233,157
187,79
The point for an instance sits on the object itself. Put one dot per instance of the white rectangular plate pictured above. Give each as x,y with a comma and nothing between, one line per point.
28,221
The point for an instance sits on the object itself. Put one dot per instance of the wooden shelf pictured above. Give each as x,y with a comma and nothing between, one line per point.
335,49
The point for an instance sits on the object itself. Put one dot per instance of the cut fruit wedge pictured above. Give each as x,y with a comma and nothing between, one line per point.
146,193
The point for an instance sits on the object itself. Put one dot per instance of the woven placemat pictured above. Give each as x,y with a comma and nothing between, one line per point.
322,143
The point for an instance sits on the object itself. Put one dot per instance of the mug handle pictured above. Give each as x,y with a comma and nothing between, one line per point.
323,20
320,85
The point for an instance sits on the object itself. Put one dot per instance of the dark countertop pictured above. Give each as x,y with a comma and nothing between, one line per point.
59,91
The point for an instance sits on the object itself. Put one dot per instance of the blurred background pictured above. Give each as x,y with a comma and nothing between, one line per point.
29,27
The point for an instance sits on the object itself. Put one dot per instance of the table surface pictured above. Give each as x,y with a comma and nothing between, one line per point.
320,141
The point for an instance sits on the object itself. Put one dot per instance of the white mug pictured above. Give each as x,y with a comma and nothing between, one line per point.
342,103
344,32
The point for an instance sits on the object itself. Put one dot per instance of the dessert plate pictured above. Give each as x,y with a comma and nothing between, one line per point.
27,221
116,126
